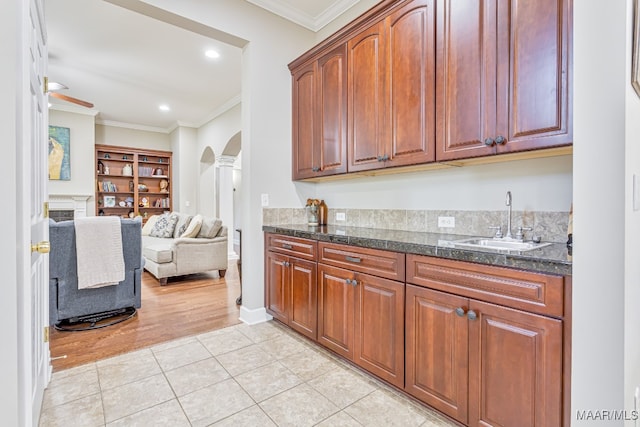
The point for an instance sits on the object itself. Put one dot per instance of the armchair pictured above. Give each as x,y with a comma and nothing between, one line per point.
66,301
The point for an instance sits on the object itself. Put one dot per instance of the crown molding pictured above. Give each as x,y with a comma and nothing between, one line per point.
300,17
132,126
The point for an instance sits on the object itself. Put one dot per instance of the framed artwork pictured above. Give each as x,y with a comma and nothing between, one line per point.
59,153
635,54
109,201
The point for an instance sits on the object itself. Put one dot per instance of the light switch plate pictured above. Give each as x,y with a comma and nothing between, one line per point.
341,216
265,200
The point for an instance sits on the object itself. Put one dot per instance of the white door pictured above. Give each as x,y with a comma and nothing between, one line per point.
33,309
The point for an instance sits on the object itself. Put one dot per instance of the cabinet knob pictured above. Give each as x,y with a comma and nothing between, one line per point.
460,311
285,263
315,168
347,281
471,315
354,282
385,157
489,142
379,158
500,139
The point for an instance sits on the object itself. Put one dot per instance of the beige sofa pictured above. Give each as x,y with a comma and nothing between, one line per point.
175,244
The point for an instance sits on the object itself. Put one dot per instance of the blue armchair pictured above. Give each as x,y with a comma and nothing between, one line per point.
66,301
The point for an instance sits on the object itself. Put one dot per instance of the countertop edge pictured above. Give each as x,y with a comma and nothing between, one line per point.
502,259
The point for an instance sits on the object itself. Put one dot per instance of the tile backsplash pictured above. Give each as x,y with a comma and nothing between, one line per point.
551,226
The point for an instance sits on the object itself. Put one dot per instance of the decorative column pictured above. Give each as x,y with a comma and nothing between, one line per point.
225,197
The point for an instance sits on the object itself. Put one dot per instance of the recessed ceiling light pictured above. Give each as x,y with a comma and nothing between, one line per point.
164,107
212,54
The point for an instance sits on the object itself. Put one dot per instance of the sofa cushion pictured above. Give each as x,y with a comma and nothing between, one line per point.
193,228
164,226
148,226
210,228
183,223
158,253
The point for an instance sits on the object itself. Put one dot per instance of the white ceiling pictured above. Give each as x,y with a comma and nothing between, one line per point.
127,64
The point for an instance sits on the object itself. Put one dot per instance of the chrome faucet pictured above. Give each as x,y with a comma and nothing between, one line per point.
508,203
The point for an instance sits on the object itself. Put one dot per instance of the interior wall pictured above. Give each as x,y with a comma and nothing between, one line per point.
600,80
185,173
134,138
536,184
632,231
206,190
82,154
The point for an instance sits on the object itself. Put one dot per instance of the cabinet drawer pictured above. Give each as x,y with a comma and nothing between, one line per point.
534,292
295,246
377,262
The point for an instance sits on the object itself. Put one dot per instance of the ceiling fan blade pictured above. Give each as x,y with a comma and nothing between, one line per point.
71,99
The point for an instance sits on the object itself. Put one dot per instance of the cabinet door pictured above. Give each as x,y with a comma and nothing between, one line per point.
411,73
367,98
515,368
332,110
466,78
277,289
436,350
379,323
533,74
303,311
336,307
305,155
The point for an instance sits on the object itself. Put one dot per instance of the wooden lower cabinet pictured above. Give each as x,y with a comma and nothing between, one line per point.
437,366
481,363
361,317
291,292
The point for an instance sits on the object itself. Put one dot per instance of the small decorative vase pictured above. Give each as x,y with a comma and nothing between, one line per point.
127,170
312,215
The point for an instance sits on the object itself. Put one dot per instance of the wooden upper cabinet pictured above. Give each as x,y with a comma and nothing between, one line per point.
466,75
411,73
534,67
392,90
332,107
367,98
503,77
304,107
319,116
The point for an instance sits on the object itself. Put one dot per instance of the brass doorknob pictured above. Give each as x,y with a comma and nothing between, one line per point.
42,247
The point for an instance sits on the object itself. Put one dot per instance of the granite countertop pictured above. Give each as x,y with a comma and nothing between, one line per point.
553,258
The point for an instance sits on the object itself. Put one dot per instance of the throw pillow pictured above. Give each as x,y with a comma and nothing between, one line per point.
148,226
210,228
193,228
164,226
183,223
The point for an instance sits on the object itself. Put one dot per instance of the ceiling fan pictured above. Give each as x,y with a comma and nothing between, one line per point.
52,87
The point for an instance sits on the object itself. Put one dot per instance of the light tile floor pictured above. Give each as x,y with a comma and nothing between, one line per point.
261,375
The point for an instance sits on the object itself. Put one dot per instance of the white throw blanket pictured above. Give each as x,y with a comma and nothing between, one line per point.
99,251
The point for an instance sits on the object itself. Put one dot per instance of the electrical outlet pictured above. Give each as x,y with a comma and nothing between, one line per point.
265,200
341,216
447,221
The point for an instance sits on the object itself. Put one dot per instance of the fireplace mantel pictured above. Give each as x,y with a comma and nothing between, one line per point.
75,202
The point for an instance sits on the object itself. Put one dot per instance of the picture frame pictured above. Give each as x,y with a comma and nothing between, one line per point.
109,201
59,153
635,54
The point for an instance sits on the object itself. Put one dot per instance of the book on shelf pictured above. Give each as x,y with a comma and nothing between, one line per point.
108,186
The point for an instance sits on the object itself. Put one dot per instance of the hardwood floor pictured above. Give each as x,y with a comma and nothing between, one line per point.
186,306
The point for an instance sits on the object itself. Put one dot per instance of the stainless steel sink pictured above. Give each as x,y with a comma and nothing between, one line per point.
498,244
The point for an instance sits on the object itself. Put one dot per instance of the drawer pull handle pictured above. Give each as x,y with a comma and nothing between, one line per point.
353,259
472,315
460,311
287,246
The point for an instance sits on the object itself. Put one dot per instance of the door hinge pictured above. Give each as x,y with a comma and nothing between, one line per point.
45,209
46,85
46,334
